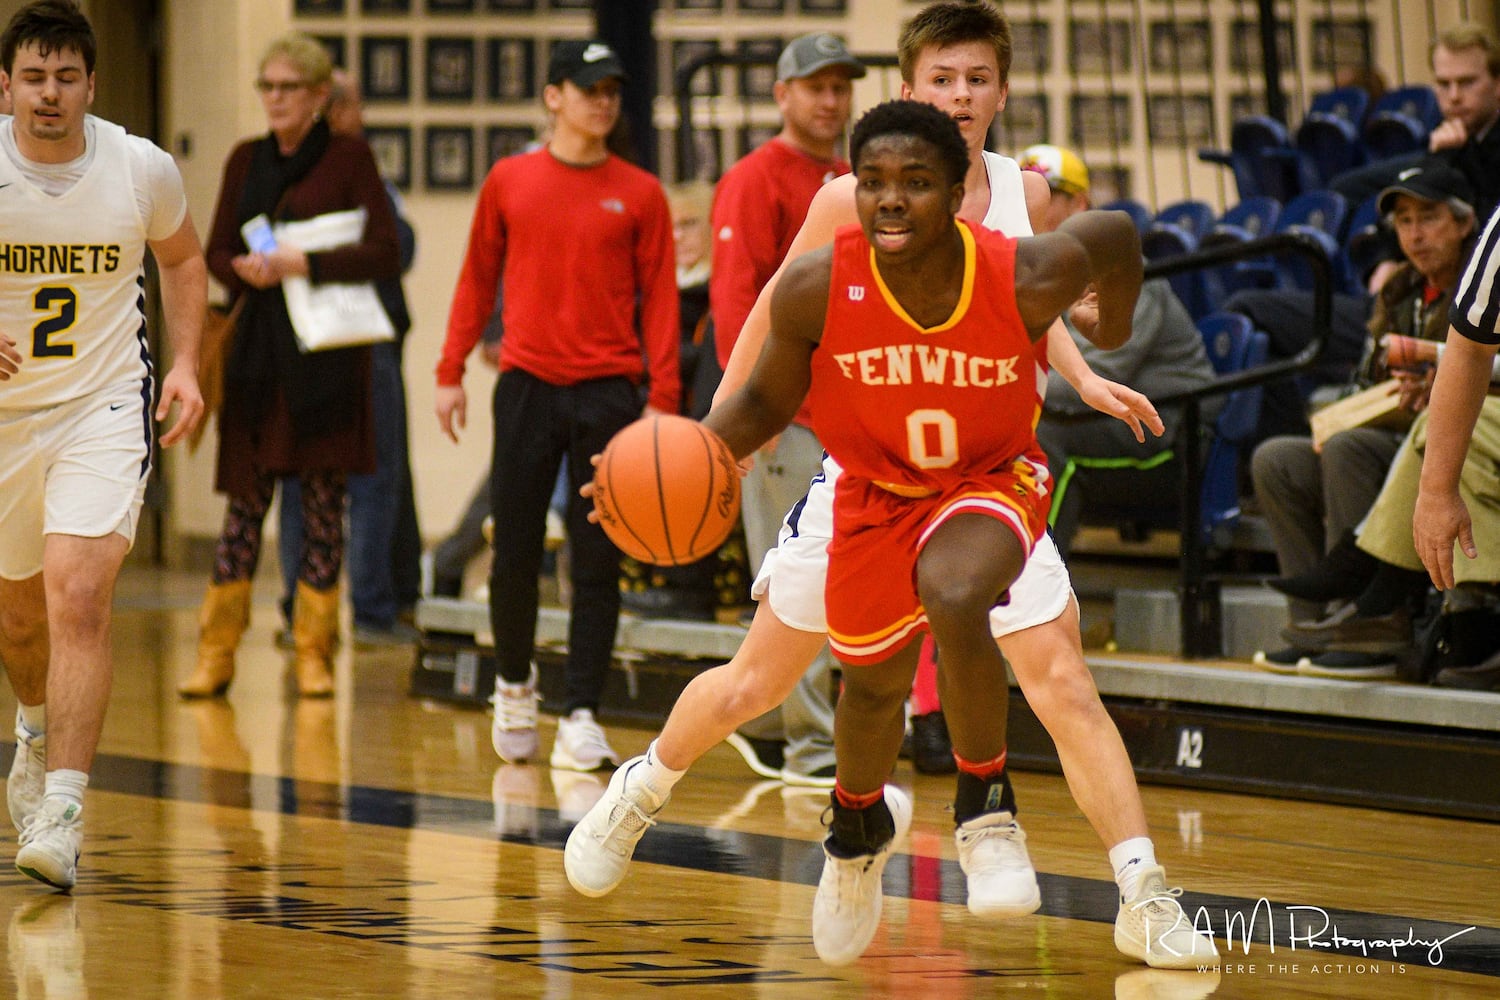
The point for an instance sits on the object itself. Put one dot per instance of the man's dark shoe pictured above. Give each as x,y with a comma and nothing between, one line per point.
1343,574
668,602
931,750
1346,631
1480,677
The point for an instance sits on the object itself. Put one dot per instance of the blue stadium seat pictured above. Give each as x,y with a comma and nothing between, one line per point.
1328,140
1348,103
1400,122
1251,219
1168,238
1233,345
1192,216
1261,157
1363,244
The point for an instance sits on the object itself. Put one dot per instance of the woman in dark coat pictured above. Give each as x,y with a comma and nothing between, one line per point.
288,413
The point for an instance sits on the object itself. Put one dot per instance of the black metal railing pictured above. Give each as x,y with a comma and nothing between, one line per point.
1201,610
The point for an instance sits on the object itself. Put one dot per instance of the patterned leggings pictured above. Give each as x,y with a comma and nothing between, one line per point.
238,548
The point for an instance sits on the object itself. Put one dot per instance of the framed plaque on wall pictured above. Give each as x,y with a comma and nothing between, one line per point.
385,67
391,145
450,69
318,8
450,157
510,69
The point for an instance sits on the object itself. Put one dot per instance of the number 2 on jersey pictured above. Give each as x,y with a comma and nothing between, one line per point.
61,307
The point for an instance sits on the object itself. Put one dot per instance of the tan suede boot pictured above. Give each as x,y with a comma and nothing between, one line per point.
221,621
315,630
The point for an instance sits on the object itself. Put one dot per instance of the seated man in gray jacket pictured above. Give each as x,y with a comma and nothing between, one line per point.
1164,355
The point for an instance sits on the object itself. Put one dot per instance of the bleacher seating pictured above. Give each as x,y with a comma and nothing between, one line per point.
1319,214
1362,248
1261,157
1233,345
1251,219
1400,122
1155,483
1327,141
1138,212
1176,230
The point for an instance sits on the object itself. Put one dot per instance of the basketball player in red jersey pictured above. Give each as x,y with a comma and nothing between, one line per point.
955,56
923,327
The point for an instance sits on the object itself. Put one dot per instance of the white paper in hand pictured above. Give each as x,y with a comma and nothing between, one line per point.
332,314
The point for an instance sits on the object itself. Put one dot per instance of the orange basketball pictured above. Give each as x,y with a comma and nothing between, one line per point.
667,490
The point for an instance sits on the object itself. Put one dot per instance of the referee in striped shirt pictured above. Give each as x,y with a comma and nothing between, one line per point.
1463,380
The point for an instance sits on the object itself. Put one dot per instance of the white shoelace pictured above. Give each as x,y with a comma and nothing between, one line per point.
41,821
515,711
1002,846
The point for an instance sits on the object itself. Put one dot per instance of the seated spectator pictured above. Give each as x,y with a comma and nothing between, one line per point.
1363,638
1164,355
1313,500
1466,77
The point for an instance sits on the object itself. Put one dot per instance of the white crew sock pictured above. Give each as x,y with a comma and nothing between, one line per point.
1129,859
658,777
68,784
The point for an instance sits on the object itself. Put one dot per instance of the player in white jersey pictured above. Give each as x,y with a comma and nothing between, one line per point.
954,55
80,201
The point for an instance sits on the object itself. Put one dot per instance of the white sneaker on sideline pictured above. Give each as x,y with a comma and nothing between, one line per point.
601,845
1151,927
51,842
28,775
581,745
846,909
992,853
513,732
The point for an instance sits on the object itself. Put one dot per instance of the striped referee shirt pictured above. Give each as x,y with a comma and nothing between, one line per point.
1476,307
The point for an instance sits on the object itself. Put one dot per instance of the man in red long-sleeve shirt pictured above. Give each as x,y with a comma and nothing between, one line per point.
581,242
758,208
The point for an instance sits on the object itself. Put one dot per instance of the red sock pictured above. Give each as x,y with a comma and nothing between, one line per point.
857,800
984,769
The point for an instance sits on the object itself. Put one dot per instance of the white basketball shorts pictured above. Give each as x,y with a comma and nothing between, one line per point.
78,468
793,573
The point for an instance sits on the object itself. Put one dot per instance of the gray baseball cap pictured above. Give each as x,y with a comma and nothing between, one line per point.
808,54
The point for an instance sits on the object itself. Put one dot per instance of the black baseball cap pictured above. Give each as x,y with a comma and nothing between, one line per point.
1438,183
584,62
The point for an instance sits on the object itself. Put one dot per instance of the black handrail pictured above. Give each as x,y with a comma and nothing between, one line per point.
1201,618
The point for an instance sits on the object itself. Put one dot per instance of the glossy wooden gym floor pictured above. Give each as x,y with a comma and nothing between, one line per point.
373,846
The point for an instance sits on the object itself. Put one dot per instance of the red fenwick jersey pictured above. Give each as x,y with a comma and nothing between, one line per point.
919,408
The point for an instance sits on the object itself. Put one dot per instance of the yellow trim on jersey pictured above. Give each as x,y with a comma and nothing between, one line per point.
866,647
964,297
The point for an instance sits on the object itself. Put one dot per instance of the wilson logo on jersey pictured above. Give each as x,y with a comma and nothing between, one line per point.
856,293
893,365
